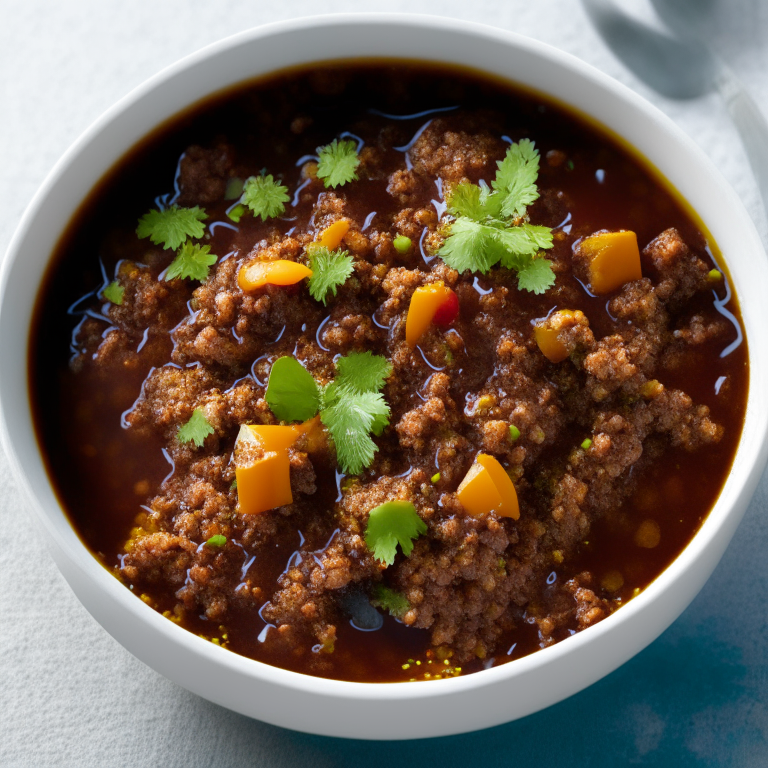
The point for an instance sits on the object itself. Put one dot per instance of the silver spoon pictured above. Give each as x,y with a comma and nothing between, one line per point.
683,67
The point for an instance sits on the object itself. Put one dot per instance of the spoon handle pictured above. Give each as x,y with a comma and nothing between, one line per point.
751,125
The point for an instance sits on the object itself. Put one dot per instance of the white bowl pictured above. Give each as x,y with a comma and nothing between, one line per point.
330,707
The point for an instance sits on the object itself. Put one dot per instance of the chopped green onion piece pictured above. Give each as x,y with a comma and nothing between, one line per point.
237,213
514,432
114,292
402,244
586,444
234,188
217,541
714,275
233,487
569,165
436,477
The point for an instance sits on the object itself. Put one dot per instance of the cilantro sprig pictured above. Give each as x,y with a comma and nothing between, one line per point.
192,261
489,225
337,163
265,196
330,269
171,227
390,524
351,407
195,430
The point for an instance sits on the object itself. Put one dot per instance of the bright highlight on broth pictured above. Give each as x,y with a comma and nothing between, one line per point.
386,372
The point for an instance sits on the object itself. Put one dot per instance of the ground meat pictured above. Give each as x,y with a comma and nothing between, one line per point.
574,436
203,174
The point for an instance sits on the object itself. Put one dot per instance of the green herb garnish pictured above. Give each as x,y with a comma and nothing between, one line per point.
292,393
489,226
114,292
171,227
402,244
435,478
351,406
192,261
218,540
363,371
396,603
390,524
330,269
514,432
195,430
337,163
237,213
265,196
351,417
586,444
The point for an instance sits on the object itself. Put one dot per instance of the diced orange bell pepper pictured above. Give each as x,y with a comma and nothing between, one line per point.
504,485
551,347
488,488
614,259
333,234
273,437
281,272
265,484
315,436
425,302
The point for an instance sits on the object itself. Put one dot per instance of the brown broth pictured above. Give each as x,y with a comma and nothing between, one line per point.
103,474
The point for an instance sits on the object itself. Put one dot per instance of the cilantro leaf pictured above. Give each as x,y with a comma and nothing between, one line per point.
192,261
329,271
350,419
536,276
195,430
351,406
396,603
390,524
487,227
114,292
265,196
292,394
217,540
466,200
338,163
470,246
516,178
171,227
363,371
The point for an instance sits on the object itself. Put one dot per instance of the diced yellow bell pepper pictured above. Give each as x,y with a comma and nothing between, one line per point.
332,235
265,484
425,302
488,488
281,272
614,259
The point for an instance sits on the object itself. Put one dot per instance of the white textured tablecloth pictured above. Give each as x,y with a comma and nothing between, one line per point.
72,696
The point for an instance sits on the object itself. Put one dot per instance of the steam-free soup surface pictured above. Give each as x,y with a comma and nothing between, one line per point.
616,453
